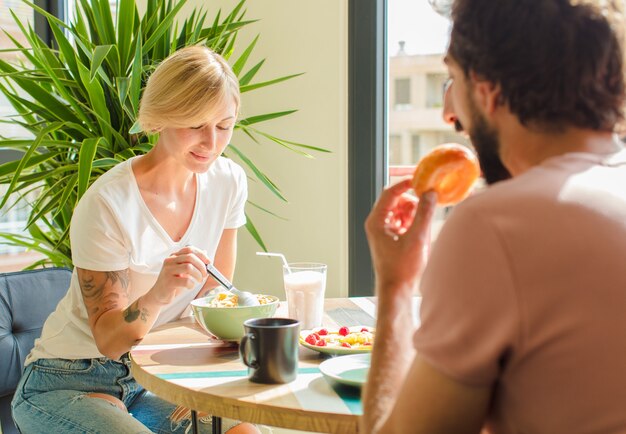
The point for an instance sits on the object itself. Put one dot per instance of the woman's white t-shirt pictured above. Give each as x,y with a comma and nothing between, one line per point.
112,229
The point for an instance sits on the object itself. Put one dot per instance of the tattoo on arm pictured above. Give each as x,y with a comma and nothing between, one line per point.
103,291
132,312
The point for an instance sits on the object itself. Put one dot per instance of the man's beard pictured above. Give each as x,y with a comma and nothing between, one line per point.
485,141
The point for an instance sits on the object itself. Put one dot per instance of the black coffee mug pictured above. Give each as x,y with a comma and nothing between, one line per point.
270,349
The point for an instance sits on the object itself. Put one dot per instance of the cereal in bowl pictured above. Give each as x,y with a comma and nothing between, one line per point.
224,299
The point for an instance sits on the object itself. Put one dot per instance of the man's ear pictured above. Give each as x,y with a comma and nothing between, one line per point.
487,93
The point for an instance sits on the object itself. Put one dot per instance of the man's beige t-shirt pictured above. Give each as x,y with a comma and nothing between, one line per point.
525,291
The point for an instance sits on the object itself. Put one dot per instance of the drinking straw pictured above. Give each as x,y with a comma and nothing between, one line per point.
279,255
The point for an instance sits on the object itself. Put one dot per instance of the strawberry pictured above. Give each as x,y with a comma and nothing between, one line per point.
346,345
344,331
364,329
321,343
311,339
367,344
322,332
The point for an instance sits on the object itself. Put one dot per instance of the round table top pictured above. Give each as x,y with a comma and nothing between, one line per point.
180,363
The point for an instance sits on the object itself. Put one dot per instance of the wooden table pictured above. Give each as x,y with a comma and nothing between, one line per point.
179,363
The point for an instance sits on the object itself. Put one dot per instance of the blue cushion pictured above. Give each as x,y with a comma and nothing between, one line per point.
26,299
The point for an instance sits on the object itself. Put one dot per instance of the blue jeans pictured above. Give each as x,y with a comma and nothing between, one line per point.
51,398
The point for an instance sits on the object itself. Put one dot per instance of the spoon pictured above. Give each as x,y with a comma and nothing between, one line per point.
244,298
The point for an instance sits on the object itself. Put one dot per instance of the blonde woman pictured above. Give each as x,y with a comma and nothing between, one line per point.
141,236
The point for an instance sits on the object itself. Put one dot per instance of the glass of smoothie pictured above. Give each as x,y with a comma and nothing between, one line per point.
305,284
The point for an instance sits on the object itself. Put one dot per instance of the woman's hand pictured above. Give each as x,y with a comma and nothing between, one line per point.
182,270
398,232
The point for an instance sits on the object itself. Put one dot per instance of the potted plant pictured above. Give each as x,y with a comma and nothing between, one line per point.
79,100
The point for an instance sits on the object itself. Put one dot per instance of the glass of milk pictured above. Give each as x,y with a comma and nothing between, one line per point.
305,284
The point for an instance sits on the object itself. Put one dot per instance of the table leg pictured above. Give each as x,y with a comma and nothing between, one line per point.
217,424
194,422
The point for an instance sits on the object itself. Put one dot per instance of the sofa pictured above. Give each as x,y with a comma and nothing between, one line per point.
26,300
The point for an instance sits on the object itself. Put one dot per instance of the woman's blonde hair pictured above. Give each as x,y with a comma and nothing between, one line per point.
185,89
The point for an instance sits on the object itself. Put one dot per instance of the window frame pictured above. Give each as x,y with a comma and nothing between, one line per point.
54,7
367,130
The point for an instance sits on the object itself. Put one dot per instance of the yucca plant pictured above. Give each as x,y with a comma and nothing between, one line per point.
79,100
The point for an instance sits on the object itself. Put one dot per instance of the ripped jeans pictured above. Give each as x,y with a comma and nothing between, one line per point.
51,398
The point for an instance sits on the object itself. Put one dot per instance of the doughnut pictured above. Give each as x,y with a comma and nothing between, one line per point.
449,169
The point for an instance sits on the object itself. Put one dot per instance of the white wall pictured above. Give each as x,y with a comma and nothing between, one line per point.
310,37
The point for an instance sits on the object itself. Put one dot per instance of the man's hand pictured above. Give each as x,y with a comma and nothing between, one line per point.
398,232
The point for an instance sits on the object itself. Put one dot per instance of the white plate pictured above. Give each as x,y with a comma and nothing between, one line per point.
351,370
336,350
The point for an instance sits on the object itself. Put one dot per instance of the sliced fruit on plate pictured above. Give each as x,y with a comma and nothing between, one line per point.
345,337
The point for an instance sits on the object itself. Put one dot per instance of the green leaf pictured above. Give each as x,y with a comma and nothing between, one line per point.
135,129
96,100
243,81
105,19
41,210
123,84
259,174
25,161
163,26
241,62
70,184
126,15
255,233
12,166
85,161
135,76
289,144
105,163
65,48
266,210
79,27
263,118
43,97
249,87
18,240
99,54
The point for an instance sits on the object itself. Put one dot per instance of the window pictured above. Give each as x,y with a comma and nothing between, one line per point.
8,25
417,38
402,92
416,147
395,150
434,90
414,34
13,218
